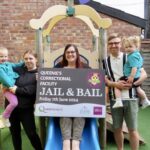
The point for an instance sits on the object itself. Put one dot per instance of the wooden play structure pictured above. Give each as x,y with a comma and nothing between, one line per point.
98,27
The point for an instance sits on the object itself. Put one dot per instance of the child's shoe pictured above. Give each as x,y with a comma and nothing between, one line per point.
5,121
118,104
1,124
146,103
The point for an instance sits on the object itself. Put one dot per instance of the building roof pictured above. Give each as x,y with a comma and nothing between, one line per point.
116,13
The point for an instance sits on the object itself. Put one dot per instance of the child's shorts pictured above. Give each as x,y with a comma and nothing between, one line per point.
125,78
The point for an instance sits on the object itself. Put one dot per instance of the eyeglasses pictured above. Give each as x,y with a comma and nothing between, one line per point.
114,43
70,52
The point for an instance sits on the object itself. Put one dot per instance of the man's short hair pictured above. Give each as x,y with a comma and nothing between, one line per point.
113,36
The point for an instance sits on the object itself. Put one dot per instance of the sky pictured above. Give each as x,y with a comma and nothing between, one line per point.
134,7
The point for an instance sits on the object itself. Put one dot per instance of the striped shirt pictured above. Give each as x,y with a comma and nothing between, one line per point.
113,67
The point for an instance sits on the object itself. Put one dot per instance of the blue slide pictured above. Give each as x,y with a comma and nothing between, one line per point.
90,140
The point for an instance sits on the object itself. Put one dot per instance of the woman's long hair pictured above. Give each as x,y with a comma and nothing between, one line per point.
64,61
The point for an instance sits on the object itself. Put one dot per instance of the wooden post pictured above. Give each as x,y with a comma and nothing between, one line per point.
39,49
102,55
102,45
70,3
70,9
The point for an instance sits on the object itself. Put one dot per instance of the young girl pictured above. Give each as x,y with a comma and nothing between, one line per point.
132,70
7,79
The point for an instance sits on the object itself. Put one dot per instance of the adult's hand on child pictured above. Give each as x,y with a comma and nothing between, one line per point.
120,84
123,85
13,89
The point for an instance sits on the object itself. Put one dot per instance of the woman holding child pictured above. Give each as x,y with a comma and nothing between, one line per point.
25,91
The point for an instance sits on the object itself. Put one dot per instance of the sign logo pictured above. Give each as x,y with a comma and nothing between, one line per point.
94,79
85,111
97,110
42,109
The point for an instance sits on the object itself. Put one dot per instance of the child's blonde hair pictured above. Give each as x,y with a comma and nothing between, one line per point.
131,40
3,49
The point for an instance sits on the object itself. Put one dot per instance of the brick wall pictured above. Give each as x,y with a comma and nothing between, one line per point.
146,55
17,35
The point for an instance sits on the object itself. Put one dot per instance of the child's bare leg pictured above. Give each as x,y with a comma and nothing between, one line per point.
118,102
144,100
117,93
141,93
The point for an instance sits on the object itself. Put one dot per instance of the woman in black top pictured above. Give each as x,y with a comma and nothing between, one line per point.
24,113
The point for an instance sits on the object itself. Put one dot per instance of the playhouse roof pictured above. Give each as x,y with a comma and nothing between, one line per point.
116,13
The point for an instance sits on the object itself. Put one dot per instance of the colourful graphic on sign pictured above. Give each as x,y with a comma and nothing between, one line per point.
94,79
97,110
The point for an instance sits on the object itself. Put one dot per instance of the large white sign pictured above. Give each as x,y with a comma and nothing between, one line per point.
70,93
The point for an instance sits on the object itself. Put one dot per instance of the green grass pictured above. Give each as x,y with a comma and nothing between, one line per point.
144,129
6,142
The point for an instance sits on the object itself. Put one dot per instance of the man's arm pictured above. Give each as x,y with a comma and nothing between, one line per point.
142,77
118,84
